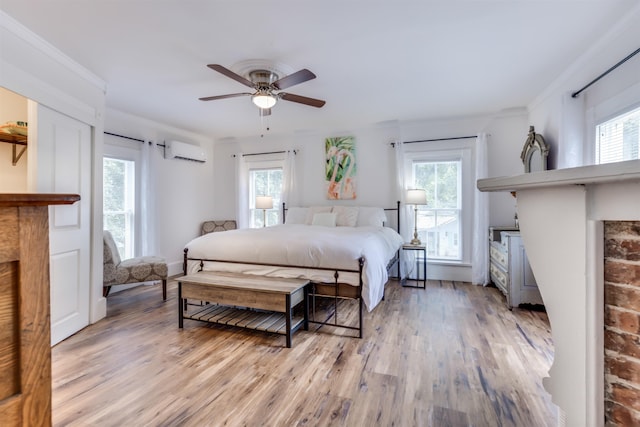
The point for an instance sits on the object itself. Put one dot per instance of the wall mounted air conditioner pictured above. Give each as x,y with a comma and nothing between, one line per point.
184,151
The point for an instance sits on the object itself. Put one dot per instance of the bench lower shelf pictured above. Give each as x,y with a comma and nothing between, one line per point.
258,320
251,302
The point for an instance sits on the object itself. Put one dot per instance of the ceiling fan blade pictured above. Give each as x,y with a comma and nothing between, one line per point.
264,112
301,99
231,95
227,72
293,79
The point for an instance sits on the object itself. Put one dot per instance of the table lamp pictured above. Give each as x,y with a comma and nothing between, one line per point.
264,203
416,197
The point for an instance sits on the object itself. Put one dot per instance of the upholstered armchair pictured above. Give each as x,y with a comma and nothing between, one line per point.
133,270
214,226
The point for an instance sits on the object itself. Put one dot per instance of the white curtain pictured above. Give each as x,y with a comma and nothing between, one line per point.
401,192
148,230
242,191
289,181
480,255
406,219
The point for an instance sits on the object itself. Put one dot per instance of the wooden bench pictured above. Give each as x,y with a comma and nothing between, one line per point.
244,300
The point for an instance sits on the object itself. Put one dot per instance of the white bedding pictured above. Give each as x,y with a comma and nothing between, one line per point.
303,246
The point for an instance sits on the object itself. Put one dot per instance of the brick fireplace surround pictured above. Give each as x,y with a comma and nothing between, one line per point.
622,322
595,376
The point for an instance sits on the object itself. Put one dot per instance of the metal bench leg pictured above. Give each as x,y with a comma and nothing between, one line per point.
180,306
305,303
288,319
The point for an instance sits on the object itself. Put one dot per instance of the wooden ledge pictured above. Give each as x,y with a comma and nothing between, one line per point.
37,199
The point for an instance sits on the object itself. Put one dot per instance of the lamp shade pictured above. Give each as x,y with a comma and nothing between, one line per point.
264,100
416,197
264,202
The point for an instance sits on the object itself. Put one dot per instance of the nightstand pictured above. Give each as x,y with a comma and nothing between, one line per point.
421,260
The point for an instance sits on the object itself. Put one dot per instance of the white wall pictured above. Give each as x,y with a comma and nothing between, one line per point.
376,176
509,131
547,111
13,179
376,165
374,155
184,190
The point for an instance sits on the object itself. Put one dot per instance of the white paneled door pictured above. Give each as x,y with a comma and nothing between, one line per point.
64,150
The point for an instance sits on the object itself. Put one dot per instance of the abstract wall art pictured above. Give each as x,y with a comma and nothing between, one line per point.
340,167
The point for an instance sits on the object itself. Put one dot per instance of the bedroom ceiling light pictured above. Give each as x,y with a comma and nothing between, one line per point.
416,197
264,203
264,100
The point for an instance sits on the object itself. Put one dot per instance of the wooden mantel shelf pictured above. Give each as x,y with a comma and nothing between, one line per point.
37,199
583,175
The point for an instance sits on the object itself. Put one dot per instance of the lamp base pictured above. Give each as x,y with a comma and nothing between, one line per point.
415,241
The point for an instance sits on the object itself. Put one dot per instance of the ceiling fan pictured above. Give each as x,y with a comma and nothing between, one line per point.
266,83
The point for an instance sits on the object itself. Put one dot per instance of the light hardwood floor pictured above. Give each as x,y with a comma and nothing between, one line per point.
450,355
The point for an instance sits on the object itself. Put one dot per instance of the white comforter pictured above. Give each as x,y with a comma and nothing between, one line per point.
303,246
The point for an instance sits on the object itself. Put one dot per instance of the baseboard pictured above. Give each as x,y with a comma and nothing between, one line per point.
175,268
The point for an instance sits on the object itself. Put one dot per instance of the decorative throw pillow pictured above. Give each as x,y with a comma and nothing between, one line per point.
370,216
296,216
345,216
314,210
326,219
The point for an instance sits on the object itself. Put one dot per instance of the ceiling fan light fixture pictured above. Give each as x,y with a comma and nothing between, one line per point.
264,100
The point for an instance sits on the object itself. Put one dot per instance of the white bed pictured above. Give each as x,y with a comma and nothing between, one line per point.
285,251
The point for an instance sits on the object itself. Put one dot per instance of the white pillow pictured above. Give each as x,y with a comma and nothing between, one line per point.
296,216
326,219
345,216
314,210
369,216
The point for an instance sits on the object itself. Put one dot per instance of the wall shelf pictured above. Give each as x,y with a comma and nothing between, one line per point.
15,140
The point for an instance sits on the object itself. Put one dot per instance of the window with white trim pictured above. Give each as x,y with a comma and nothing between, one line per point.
618,139
440,221
118,200
265,182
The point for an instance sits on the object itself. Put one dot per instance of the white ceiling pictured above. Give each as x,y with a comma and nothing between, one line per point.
375,61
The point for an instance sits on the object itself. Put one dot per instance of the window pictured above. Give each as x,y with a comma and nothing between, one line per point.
265,182
119,203
618,139
439,222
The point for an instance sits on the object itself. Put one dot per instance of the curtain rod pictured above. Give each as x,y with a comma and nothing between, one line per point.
124,137
628,57
393,144
267,152
131,138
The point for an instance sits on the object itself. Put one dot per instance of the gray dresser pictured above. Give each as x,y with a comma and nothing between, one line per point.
509,267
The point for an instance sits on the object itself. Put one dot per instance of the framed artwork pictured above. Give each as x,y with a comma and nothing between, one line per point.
340,167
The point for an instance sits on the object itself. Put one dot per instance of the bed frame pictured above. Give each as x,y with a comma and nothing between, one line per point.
335,291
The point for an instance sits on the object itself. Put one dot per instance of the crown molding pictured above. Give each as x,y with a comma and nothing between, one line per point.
630,20
16,28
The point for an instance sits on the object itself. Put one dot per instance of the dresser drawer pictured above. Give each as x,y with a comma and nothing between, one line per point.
499,256
499,278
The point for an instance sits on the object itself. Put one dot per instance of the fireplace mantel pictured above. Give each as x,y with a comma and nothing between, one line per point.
584,175
561,214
